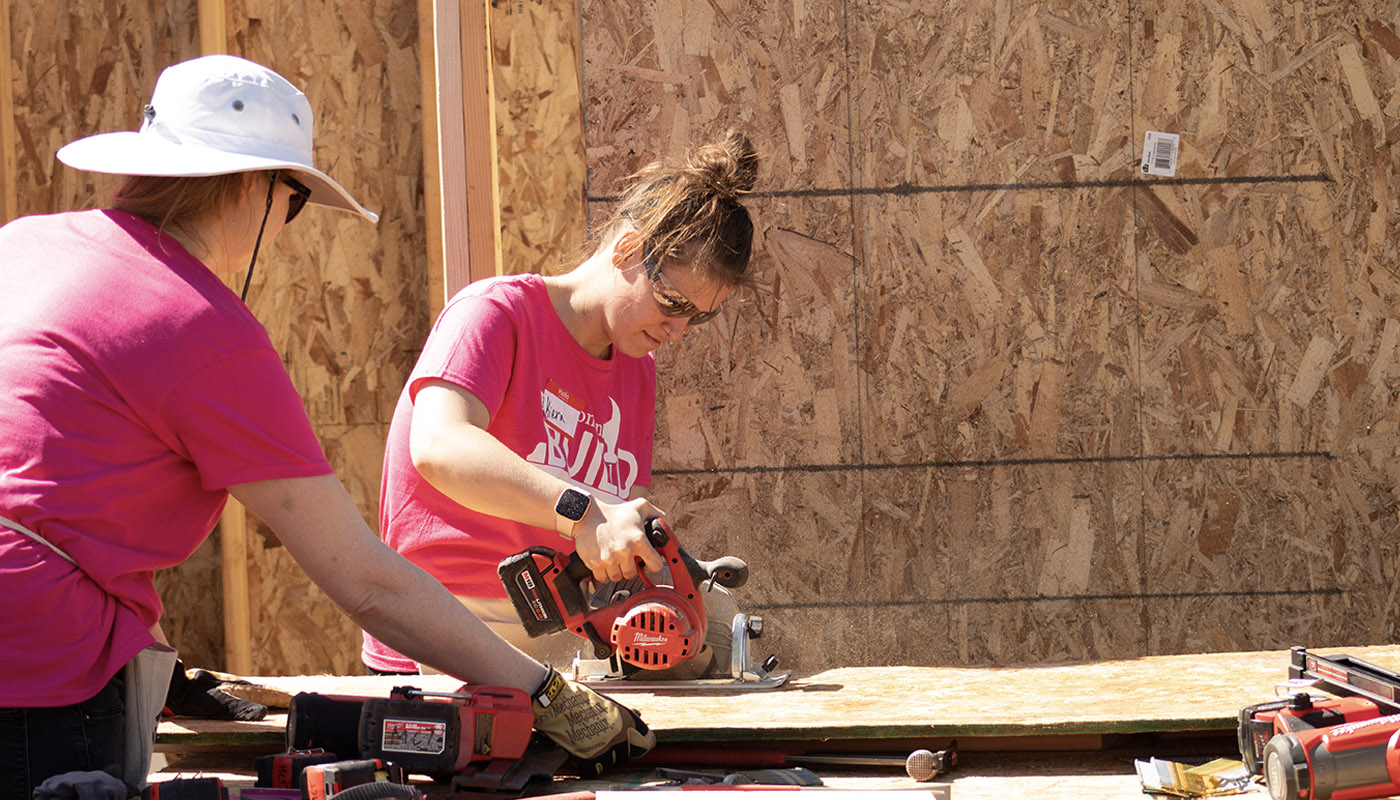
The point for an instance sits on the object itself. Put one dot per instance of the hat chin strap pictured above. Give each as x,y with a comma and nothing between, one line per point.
257,243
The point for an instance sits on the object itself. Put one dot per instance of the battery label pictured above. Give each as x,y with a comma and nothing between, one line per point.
414,736
526,582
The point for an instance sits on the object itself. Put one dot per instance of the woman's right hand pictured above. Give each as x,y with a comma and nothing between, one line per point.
611,537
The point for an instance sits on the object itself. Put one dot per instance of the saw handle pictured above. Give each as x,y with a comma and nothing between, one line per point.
728,571
576,572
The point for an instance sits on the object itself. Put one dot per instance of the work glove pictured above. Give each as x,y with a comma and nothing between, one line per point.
597,731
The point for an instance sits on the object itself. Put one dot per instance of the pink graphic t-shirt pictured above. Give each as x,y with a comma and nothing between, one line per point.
582,418
137,389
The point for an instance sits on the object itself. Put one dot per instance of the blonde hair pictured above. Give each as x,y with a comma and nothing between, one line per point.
165,201
690,211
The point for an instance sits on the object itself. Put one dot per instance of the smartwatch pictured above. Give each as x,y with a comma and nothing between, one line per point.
569,509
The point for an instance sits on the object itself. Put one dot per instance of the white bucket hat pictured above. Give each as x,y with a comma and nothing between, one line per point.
216,115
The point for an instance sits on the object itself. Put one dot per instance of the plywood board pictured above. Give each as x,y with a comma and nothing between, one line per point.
998,399
539,142
344,300
895,705
9,145
74,74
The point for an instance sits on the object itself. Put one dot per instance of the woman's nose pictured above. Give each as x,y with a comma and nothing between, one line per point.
676,327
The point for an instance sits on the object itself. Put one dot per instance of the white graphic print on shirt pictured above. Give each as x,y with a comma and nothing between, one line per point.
591,456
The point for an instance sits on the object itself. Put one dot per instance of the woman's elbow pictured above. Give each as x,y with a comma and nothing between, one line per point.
428,456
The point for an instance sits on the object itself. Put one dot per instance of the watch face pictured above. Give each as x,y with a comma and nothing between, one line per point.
572,505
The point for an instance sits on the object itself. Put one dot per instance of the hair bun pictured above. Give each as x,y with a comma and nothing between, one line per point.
690,209
729,166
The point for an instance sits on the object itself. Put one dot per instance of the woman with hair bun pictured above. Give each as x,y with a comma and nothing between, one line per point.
529,415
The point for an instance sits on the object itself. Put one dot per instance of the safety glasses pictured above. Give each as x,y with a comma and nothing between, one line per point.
671,302
300,194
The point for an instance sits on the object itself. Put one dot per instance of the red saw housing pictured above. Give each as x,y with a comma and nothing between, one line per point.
654,628
658,629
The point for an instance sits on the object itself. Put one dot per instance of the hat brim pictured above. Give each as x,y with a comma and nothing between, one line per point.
134,153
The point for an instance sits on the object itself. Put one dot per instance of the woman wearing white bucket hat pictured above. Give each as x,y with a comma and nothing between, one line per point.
141,393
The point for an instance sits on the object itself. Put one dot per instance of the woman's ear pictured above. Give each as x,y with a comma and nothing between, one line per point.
624,248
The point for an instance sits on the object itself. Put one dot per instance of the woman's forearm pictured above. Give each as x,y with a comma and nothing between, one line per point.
397,602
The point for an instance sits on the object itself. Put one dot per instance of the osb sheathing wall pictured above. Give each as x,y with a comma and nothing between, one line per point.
1003,398
539,133
999,398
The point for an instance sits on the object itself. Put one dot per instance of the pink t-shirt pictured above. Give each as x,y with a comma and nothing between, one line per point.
137,387
585,419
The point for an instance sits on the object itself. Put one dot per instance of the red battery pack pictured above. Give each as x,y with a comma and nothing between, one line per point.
320,781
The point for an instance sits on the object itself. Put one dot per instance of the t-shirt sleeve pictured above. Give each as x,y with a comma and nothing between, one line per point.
472,345
241,420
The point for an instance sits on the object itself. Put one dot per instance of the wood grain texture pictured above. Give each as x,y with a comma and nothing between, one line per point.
539,140
78,72
443,34
478,144
1085,414
9,145
343,300
982,776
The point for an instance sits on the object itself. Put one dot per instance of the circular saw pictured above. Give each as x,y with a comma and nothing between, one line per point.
653,627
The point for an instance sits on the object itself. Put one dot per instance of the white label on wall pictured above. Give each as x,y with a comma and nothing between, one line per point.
1159,153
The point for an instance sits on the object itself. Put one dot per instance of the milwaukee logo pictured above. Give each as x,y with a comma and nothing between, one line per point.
642,639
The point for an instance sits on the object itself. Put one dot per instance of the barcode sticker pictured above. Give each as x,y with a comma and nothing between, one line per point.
1159,153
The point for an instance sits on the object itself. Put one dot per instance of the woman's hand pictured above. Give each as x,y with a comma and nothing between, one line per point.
612,536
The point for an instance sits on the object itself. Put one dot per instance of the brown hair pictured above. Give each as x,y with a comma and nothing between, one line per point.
691,211
164,201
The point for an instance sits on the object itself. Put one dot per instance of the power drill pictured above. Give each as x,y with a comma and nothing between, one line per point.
1345,747
1261,722
1351,761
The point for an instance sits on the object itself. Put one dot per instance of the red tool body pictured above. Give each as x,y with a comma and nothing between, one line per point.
1329,748
1352,761
1262,722
653,628
322,781
478,736
283,770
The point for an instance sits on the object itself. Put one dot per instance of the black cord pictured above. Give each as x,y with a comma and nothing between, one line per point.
248,281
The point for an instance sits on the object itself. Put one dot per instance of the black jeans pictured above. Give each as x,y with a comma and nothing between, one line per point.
37,743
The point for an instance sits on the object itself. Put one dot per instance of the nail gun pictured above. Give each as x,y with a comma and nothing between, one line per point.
1342,747
653,628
